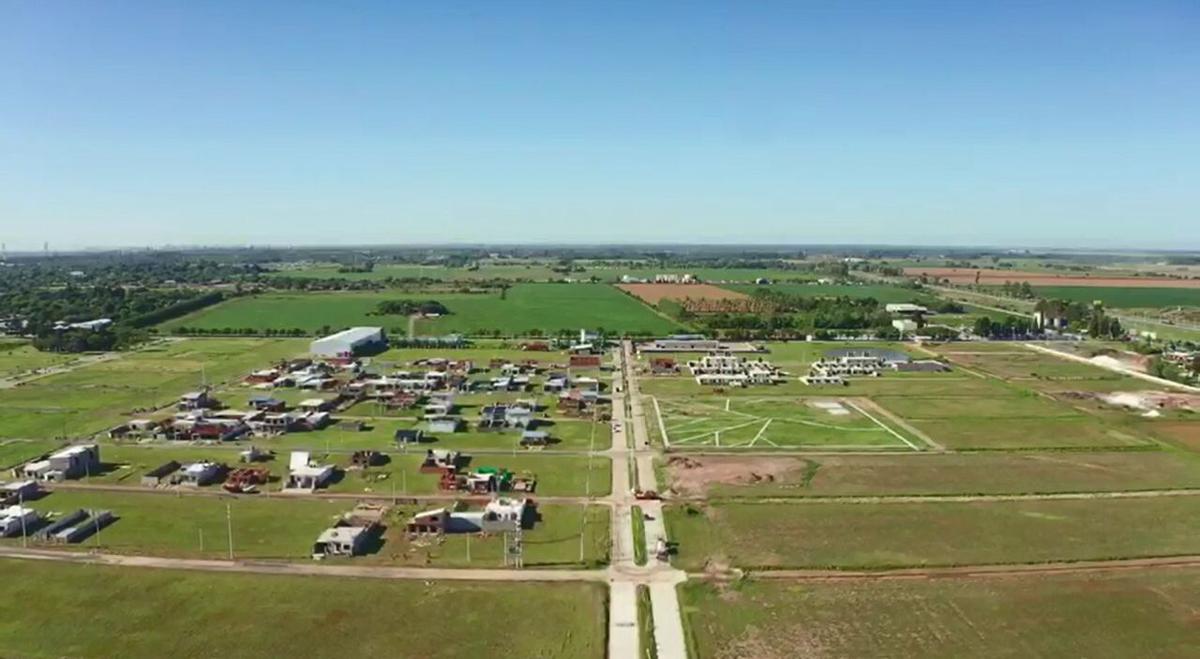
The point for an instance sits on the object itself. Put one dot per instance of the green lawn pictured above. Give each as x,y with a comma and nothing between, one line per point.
49,610
527,272
896,534
1147,613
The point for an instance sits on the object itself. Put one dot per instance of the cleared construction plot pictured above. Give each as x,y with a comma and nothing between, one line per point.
1113,614
931,474
68,610
773,423
903,534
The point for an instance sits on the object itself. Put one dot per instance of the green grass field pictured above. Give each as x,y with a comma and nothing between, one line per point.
896,534
1112,615
524,308
49,610
772,422
527,272
934,474
548,308
18,357
97,396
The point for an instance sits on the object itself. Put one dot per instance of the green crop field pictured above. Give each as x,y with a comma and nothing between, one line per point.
899,534
1118,614
932,474
305,311
523,309
547,308
1124,297
49,610
97,396
527,272
884,293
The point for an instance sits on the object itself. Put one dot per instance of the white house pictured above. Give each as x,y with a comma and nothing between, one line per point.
303,475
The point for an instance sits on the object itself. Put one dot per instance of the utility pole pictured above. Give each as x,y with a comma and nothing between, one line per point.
201,530
229,526
468,549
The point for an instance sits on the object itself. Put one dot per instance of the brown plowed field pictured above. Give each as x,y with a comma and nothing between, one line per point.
997,277
652,293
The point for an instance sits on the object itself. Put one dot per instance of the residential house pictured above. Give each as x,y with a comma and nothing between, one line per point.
303,475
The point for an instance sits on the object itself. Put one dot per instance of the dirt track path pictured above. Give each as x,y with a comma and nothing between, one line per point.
954,498
966,571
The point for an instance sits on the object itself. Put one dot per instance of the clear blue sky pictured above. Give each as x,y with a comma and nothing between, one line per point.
1072,124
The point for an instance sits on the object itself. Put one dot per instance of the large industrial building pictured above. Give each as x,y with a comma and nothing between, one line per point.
349,343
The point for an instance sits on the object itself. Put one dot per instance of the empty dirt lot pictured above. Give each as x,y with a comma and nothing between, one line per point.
653,293
997,277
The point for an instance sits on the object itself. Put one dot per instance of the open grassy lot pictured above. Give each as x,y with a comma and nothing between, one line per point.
17,357
895,534
97,396
547,308
1123,297
1120,614
931,474
16,451
772,422
67,610
284,527
1070,432
1026,364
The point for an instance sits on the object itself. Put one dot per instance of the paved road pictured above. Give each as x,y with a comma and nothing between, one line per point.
664,598
623,639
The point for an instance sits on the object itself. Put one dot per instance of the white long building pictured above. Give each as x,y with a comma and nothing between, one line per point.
348,343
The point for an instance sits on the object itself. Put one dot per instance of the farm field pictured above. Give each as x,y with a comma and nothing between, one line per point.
655,293
547,308
284,527
1114,614
901,534
305,311
774,422
97,396
930,474
527,272
67,610
1124,297
986,277
884,293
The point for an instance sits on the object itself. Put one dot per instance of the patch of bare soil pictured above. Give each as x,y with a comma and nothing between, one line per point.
781,642
654,293
989,277
693,476
1151,401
